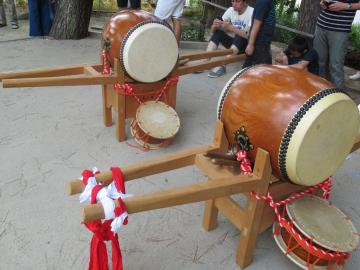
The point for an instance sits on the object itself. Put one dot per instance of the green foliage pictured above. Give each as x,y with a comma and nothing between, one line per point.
286,19
105,5
194,12
355,36
192,32
21,3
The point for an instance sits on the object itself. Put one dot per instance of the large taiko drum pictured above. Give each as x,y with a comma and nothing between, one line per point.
316,234
307,126
146,46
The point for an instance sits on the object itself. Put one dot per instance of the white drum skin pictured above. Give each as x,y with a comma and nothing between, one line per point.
150,52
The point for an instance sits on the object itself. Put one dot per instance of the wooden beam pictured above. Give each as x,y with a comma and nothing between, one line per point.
61,71
177,196
193,67
232,211
254,209
157,165
82,79
205,55
150,167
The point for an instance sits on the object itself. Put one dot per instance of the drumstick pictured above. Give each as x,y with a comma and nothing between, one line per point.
218,155
225,162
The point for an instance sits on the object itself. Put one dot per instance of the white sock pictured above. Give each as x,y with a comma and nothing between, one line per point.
211,47
234,49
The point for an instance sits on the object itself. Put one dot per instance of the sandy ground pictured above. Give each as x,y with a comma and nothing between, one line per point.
49,135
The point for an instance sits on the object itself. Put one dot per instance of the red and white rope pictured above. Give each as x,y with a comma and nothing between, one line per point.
304,242
245,164
106,196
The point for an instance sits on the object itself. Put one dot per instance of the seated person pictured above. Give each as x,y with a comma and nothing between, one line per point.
231,31
299,55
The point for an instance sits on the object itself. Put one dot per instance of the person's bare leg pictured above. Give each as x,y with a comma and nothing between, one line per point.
234,49
177,28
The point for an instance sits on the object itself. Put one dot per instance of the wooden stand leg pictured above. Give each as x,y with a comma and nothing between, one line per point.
107,117
210,215
171,97
210,210
120,117
255,208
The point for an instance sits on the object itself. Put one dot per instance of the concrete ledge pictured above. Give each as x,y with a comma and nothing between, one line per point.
196,45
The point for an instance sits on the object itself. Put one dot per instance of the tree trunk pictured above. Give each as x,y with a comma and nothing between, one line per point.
72,18
309,10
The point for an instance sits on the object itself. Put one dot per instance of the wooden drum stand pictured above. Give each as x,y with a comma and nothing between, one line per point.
223,181
124,106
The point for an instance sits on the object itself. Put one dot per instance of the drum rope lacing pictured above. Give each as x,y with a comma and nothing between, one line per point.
128,89
115,217
338,258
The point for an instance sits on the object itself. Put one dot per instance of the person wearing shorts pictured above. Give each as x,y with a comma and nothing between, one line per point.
231,31
171,10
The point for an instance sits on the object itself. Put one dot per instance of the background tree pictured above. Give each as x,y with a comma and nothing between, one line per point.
72,18
309,10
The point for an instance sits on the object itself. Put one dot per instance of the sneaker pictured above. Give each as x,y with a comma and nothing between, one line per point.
356,76
217,72
14,26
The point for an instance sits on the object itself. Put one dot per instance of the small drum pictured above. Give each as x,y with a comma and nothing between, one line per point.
329,233
307,126
146,46
155,124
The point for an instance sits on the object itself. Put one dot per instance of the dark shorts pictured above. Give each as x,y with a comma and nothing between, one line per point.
220,36
261,55
133,3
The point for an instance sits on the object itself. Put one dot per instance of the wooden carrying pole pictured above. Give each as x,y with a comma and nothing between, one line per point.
157,165
91,74
177,196
124,106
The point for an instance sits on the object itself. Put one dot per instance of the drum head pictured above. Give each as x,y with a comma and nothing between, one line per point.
157,119
291,255
321,138
330,228
149,52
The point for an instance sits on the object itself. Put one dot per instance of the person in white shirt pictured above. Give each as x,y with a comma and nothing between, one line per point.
231,31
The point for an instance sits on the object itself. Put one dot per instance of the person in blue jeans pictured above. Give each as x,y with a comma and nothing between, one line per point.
40,17
299,55
258,50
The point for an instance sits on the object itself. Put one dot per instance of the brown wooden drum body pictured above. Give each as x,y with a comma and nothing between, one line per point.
306,125
146,46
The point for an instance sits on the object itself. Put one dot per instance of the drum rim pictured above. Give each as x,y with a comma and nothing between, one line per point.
127,36
351,226
169,108
226,90
150,146
290,129
291,255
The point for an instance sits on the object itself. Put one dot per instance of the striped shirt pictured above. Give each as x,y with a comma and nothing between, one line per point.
337,21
